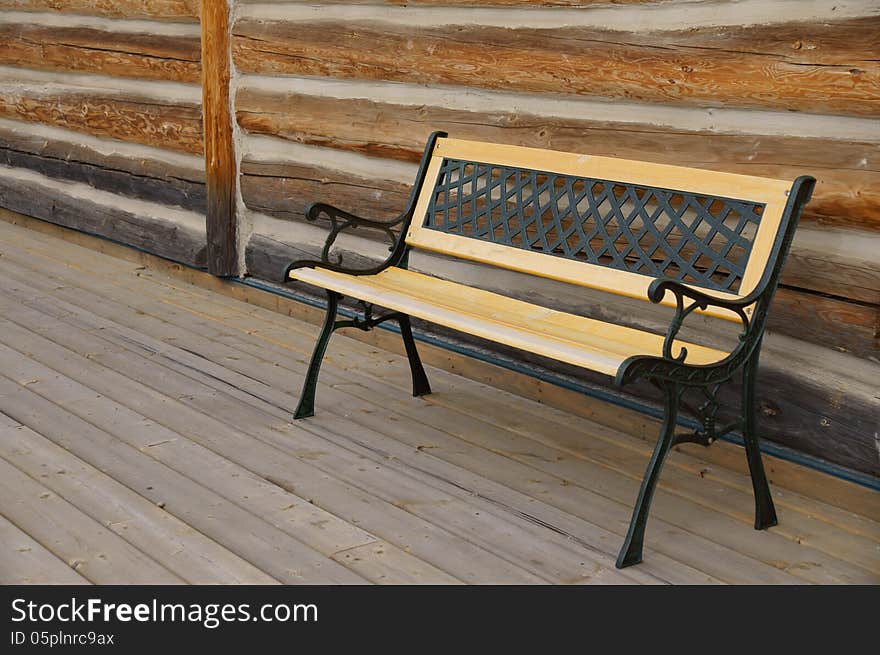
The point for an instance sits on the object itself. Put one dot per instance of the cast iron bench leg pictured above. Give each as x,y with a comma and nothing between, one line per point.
419,379
631,551
765,512
306,405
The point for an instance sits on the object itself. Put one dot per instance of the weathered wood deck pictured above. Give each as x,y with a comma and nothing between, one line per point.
145,438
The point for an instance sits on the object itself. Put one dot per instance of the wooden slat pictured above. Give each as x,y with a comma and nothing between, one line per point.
817,67
126,116
172,10
585,342
220,158
847,172
25,561
153,179
87,50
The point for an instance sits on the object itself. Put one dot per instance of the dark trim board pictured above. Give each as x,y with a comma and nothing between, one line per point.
812,419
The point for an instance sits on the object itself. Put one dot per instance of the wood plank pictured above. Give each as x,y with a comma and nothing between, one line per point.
171,10
117,115
89,50
847,172
142,523
88,548
25,561
135,226
276,553
282,410
137,177
762,66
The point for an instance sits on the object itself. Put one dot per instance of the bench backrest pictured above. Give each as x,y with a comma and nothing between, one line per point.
599,222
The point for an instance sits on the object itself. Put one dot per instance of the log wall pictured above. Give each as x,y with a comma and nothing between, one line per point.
101,120
334,101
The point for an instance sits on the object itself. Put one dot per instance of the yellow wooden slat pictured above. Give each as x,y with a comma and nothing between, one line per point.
565,337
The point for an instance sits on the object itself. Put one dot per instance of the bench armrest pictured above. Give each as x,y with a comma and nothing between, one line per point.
340,221
698,300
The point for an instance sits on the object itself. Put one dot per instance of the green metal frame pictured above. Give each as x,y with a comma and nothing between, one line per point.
669,372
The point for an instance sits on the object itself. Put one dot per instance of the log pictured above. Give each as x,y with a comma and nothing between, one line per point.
848,172
817,67
831,421
284,190
220,158
171,10
137,177
82,49
173,125
167,238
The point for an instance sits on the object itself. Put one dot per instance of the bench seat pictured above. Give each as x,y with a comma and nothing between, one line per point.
565,337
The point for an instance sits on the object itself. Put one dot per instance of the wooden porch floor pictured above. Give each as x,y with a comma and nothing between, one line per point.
145,438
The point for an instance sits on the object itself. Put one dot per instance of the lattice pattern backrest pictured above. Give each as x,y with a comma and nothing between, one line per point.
701,240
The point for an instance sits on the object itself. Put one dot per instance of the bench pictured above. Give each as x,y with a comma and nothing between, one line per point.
696,240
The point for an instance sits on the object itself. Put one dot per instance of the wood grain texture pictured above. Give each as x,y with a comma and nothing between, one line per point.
162,237
173,10
847,172
220,158
126,116
81,49
821,68
136,177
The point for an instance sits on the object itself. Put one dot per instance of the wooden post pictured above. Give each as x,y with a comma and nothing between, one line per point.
222,228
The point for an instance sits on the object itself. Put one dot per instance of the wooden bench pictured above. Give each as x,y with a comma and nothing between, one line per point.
696,240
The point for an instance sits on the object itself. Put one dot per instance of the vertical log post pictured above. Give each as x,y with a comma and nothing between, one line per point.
222,228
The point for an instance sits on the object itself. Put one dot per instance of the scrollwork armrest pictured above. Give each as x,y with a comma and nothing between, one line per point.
699,300
341,220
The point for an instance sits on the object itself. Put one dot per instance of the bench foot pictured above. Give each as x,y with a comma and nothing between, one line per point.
765,512
420,384
631,551
306,406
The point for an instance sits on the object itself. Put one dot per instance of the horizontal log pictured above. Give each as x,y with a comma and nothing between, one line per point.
284,190
105,113
175,10
848,172
831,421
102,215
817,67
81,49
136,177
